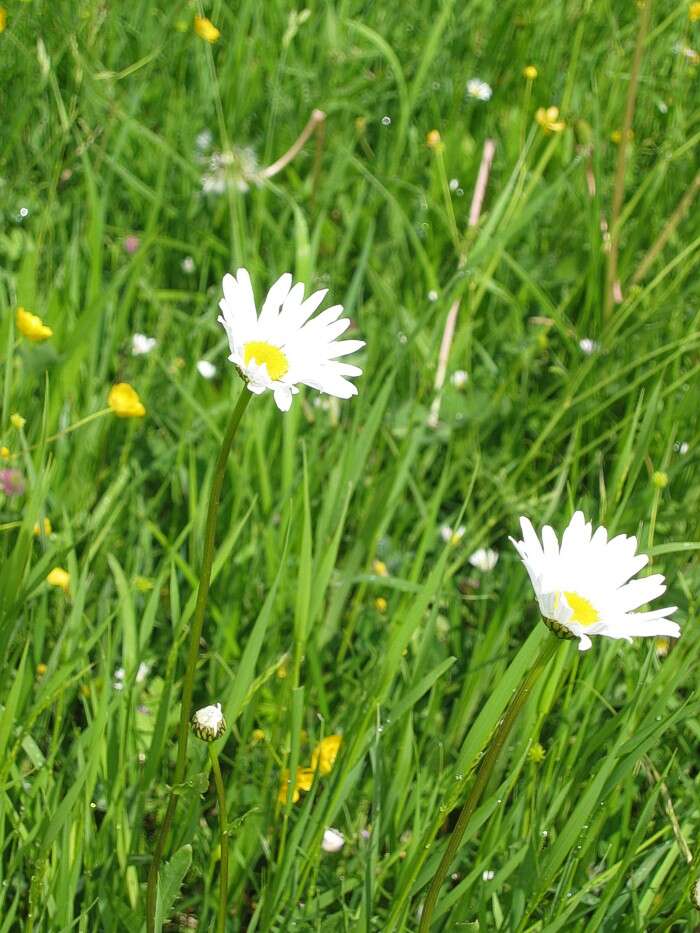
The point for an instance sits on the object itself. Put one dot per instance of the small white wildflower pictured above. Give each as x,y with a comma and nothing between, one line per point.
333,840
236,168
142,345
208,723
119,675
206,369
386,121
24,212
203,140
454,184
662,106
588,346
484,559
487,875
187,265
142,672
432,295
479,89
459,378
452,535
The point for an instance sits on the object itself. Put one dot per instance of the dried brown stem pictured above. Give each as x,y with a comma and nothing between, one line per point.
317,118
671,224
612,289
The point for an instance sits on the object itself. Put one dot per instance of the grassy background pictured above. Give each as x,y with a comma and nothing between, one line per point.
102,106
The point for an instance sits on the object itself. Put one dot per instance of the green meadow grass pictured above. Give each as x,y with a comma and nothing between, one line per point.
102,106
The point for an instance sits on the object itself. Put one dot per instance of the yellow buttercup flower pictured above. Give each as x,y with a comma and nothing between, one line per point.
379,568
324,755
5,453
530,72
616,136
304,780
18,421
31,326
3,18
694,12
548,119
47,528
125,402
205,29
433,140
380,604
60,578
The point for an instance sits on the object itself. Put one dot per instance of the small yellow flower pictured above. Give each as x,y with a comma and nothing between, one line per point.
3,18
41,669
324,755
258,735
124,401
536,753
282,668
548,119
47,528
616,136
205,29
379,568
143,584
380,604
433,139
5,453
31,326
529,72
18,421
60,578
660,479
694,12
304,780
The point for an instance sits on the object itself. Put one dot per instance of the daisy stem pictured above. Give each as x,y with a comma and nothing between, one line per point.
482,777
223,832
193,654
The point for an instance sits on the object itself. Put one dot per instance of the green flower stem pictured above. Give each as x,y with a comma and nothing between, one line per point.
483,774
193,653
223,832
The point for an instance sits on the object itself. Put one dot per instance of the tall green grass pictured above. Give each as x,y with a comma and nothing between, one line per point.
103,105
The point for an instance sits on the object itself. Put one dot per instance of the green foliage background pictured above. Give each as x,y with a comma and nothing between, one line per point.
102,107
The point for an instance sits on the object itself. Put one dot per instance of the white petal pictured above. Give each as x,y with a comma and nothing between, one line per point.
283,399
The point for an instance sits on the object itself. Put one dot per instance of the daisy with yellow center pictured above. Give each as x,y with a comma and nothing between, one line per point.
585,586
285,346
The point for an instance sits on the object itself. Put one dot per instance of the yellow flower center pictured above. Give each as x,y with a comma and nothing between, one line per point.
261,352
583,612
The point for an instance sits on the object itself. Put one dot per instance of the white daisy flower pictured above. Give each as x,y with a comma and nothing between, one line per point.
333,840
142,345
484,559
479,89
281,348
208,723
584,587
459,378
206,369
187,265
